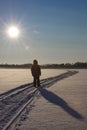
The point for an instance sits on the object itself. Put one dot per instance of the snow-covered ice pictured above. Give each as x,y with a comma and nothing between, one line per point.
62,106
58,106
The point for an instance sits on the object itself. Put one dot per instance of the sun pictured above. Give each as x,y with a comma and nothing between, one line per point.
13,32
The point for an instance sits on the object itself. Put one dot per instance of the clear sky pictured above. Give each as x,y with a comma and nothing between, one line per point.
51,31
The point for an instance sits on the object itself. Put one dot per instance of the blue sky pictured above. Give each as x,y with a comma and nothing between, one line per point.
51,31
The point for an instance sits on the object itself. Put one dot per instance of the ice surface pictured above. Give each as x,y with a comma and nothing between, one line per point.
59,106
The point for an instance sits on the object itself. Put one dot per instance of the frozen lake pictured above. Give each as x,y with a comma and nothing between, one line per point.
11,78
66,100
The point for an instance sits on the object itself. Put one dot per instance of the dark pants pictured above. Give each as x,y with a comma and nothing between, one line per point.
36,81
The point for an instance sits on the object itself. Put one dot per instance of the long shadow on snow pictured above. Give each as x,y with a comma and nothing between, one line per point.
53,98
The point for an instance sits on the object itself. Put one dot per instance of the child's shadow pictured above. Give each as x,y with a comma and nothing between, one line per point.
53,98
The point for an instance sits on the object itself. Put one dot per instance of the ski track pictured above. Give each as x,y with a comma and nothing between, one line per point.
13,102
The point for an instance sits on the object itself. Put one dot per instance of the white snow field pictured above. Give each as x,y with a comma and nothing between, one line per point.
59,104
11,78
62,106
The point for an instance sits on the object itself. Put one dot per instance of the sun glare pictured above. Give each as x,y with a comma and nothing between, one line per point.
13,32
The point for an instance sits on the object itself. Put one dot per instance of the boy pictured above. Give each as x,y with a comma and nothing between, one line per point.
36,73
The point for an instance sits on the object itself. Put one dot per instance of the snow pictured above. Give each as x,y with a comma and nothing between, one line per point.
59,104
11,78
62,106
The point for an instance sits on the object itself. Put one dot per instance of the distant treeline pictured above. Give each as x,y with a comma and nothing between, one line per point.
21,66
77,65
